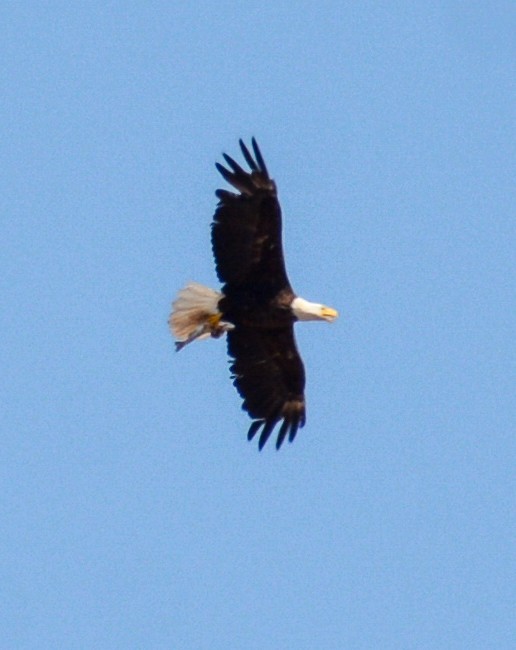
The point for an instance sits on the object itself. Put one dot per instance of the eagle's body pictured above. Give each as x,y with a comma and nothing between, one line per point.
257,307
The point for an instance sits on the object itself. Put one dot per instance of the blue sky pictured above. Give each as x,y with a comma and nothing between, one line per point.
133,512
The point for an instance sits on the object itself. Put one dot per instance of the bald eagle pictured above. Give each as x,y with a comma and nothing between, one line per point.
256,307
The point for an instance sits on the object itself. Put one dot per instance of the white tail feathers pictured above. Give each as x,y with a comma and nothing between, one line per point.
195,314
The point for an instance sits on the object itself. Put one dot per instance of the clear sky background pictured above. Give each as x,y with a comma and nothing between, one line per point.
133,512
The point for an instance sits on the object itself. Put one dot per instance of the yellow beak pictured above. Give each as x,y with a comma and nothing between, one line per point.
329,314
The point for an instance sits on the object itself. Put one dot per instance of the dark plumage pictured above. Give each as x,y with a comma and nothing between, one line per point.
246,237
257,307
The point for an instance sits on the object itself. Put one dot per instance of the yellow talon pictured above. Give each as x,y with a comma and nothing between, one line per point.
214,320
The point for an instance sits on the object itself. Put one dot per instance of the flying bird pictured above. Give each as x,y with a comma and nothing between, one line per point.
256,307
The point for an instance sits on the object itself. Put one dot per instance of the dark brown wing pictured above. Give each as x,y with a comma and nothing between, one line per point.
269,375
246,229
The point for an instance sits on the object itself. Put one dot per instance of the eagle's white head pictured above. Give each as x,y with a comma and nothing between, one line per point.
306,310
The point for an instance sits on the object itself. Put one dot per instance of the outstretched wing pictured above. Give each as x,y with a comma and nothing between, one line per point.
246,229
270,377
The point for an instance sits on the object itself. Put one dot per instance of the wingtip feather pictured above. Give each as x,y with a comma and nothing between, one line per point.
248,157
259,157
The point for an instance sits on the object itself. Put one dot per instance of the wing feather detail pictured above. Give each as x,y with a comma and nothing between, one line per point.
269,375
246,228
